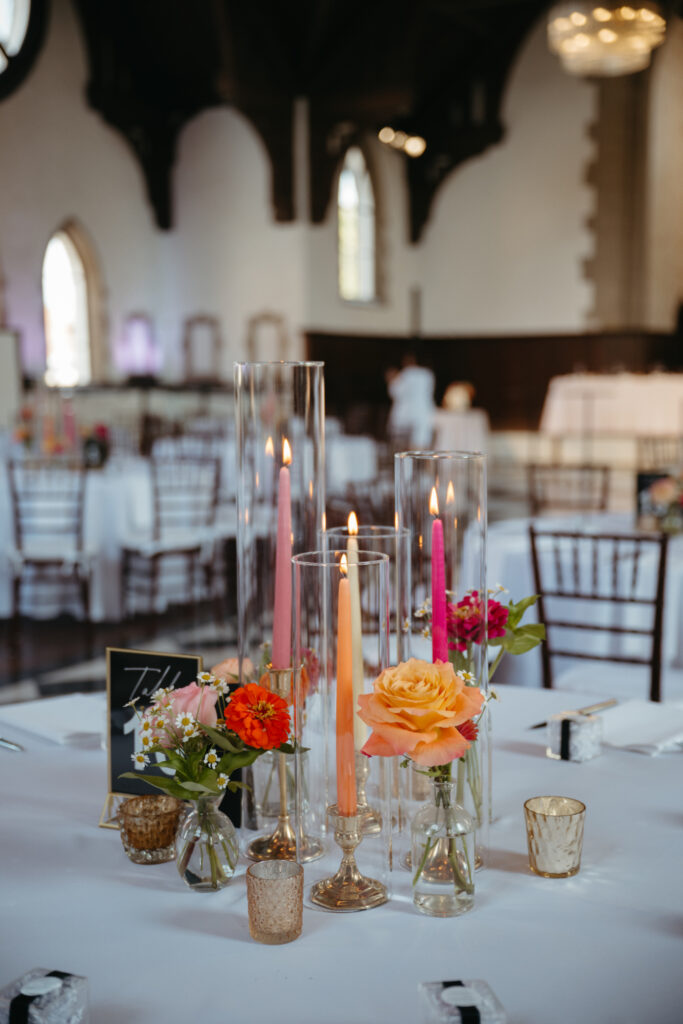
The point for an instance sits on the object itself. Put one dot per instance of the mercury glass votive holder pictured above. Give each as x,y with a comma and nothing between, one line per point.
554,832
148,826
275,891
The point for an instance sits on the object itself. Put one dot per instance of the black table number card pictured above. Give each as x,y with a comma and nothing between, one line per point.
132,674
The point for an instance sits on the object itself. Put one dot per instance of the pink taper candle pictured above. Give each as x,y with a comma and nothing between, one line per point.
439,634
346,749
282,612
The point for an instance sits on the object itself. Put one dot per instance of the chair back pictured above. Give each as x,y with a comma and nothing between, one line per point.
185,494
608,587
47,503
659,452
560,488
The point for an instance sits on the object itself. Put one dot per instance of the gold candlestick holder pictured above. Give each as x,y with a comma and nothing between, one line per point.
282,843
370,819
348,890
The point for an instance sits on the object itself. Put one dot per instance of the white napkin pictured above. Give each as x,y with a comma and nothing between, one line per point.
77,719
644,726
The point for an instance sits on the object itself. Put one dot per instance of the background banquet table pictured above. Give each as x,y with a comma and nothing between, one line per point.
640,405
461,431
509,563
604,946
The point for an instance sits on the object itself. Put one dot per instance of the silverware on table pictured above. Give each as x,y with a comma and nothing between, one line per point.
589,710
10,745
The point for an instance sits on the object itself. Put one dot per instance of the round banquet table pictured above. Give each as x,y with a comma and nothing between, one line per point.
602,947
637,404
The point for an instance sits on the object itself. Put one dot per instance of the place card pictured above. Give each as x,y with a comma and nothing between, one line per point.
135,674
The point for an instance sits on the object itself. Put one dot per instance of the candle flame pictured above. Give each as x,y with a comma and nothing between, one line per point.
286,452
450,493
343,565
353,523
433,503
270,448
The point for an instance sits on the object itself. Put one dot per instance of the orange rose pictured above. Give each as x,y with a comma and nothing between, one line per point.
415,710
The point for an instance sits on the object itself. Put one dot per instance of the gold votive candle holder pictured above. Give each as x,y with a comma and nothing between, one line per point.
275,892
148,826
554,832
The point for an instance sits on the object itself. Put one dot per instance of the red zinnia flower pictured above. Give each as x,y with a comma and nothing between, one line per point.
260,718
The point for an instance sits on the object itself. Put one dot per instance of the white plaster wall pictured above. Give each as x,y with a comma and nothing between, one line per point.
60,160
505,244
664,177
504,249
502,252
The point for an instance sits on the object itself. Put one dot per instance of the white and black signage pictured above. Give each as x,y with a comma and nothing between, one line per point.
131,675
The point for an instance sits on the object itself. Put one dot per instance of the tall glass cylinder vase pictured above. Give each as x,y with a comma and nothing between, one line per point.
280,416
341,644
441,500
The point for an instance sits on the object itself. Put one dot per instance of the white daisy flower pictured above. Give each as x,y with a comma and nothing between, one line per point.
147,740
467,677
211,758
160,722
159,694
219,685
190,730
145,725
222,780
139,759
426,632
184,719
206,678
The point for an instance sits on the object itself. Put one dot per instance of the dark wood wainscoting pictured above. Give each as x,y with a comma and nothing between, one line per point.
510,374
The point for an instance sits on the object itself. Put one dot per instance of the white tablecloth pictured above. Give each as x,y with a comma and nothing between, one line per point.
640,405
349,459
509,563
461,431
603,947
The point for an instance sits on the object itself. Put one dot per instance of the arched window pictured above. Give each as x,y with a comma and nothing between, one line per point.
65,312
73,309
356,230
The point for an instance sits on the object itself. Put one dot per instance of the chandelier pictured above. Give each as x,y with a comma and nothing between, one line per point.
605,40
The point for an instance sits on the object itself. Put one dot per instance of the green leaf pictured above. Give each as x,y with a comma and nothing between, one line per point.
169,786
517,609
525,638
221,740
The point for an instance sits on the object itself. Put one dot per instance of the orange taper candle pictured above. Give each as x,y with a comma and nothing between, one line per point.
346,751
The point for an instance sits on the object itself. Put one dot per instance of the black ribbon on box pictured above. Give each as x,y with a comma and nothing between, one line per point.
565,731
19,1007
468,1014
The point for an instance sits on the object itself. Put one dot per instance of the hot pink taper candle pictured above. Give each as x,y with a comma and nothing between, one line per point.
439,633
282,612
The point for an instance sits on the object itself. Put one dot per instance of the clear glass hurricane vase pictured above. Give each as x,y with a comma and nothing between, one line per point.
443,854
449,488
206,846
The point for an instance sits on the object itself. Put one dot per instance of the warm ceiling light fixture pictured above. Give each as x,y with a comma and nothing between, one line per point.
412,145
605,40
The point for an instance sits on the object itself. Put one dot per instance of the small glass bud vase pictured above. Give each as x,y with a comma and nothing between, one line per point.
206,847
443,854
